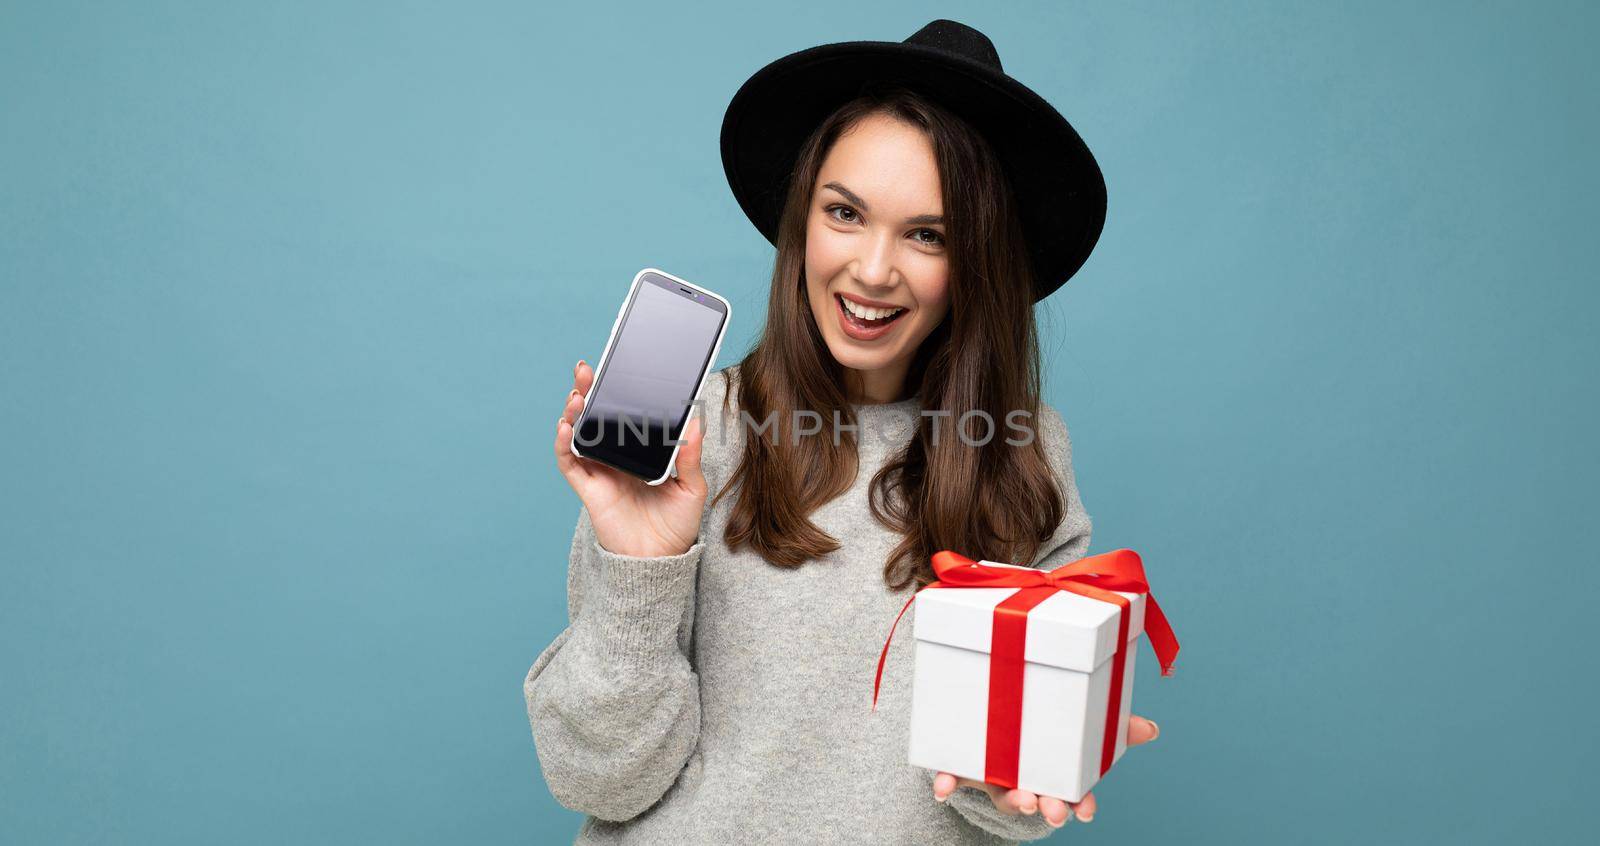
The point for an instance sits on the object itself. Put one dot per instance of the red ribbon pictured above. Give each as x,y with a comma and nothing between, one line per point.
1095,576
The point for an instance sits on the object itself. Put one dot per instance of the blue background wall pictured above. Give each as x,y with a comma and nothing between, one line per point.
289,299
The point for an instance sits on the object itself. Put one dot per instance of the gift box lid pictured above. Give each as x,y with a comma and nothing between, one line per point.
1068,630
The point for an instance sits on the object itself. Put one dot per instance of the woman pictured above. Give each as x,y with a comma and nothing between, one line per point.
713,683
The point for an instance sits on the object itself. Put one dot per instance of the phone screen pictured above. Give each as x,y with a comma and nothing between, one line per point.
661,350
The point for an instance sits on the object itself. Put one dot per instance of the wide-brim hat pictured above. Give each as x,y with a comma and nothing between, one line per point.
1059,189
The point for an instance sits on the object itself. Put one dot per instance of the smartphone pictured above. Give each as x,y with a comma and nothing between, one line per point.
662,346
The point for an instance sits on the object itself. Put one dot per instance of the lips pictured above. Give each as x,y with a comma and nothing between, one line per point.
865,330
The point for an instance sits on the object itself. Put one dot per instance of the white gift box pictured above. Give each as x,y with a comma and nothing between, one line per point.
1066,685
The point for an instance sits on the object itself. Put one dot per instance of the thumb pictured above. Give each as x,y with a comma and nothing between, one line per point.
688,461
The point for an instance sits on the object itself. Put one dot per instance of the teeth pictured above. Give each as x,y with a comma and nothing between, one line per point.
868,312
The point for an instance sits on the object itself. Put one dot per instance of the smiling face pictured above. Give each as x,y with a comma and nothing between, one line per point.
875,239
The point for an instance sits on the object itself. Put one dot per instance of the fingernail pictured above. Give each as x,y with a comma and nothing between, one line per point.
572,394
577,366
1089,818
1157,728
938,798
1030,808
1054,824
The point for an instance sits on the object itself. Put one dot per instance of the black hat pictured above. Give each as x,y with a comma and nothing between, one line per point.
1059,189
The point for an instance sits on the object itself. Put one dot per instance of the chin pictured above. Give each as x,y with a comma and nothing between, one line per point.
858,360
856,356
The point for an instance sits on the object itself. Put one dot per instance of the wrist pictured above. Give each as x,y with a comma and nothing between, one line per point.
646,550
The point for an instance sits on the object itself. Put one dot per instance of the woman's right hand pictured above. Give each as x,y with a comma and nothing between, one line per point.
629,516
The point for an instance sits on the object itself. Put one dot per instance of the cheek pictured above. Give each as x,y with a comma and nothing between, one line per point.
826,251
935,301
826,255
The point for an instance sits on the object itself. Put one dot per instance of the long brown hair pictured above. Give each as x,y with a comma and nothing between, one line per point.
996,501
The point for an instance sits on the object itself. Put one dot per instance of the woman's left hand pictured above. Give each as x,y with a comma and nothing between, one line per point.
1055,811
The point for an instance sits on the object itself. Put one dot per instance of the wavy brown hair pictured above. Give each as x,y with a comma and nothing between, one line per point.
996,501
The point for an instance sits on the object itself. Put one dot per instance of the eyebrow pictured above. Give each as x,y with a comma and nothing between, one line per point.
849,195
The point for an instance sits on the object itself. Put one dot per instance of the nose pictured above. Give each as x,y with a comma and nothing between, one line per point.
875,265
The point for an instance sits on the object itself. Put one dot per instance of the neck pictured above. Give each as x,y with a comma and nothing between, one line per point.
869,387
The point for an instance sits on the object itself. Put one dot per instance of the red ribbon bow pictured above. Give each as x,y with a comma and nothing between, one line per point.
1096,577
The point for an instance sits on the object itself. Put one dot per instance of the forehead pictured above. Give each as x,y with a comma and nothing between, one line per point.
885,160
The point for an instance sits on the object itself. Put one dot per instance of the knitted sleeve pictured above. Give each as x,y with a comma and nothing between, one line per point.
613,702
1069,543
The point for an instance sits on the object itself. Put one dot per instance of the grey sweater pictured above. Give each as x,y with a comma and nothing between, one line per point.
711,697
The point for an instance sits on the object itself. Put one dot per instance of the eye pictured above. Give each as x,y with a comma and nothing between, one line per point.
938,239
